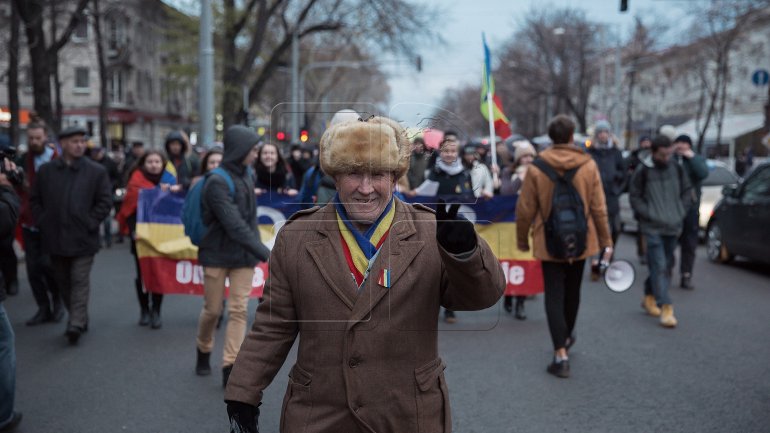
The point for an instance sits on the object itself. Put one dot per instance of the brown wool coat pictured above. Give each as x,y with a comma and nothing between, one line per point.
536,192
367,362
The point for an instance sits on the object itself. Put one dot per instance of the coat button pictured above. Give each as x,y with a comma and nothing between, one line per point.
353,362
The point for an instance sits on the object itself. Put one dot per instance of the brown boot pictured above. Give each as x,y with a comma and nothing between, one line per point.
650,306
667,318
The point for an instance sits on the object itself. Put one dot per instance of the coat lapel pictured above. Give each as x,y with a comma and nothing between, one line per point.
330,260
396,255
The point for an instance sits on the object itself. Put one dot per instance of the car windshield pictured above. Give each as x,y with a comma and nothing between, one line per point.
719,176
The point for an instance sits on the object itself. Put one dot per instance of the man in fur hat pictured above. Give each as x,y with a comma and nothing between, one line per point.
361,281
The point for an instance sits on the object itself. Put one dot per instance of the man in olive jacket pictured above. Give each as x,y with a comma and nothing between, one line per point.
230,248
660,194
361,281
70,199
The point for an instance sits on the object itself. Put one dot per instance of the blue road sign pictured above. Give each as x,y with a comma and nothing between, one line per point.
760,77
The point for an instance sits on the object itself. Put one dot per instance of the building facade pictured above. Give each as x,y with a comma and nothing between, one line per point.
145,101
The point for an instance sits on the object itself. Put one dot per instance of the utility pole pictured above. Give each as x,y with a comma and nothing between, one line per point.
295,86
206,76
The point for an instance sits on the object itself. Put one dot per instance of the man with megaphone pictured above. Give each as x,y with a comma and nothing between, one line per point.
563,201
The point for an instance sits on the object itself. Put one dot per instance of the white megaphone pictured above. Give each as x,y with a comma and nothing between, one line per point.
619,276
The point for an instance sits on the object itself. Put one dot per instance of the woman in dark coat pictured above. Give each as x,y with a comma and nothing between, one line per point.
273,174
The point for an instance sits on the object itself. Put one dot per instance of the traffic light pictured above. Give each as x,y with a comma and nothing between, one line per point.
623,5
303,136
280,136
419,63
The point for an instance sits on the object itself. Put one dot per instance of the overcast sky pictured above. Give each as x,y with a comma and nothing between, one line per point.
414,95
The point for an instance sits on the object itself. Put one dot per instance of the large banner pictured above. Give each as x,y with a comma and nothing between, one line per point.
169,261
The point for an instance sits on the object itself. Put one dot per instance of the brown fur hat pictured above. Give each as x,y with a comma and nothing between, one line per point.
375,144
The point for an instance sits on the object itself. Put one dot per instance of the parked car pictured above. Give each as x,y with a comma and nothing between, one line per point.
719,177
740,224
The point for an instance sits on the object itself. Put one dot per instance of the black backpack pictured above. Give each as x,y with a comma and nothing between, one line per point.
566,227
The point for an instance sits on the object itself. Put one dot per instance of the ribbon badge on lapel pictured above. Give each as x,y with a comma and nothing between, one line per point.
384,279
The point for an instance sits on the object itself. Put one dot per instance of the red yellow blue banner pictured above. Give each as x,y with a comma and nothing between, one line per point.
169,260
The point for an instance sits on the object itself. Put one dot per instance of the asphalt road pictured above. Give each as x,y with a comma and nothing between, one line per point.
710,374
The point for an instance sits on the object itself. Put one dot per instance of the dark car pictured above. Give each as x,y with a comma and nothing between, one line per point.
740,224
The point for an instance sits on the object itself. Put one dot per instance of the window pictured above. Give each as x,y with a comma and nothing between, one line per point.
757,187
81,79
115,34
80,34
115,87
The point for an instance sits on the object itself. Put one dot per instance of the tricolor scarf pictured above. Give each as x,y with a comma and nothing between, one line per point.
359,247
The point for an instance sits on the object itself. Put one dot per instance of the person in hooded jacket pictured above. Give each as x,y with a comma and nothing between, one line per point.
186,164
562,277
146,175
230,248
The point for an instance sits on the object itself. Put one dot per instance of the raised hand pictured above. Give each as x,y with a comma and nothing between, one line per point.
454,233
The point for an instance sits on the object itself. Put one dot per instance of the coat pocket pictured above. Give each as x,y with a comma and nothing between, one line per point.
297,402
433,413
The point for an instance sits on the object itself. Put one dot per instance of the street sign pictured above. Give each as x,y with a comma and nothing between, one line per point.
760,77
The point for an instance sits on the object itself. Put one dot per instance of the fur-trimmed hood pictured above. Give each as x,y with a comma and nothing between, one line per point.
376,144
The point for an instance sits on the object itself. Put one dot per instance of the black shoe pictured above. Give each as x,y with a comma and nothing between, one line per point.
12,424
202,366
508,303
686,283
155,322
58,313
559,369
226,374
73,334
12,288
144,318
520,313
42,316
449,316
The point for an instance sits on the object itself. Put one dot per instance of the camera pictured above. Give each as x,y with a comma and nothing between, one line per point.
13,176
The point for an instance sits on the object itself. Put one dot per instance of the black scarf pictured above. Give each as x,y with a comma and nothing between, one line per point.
274,180
154,178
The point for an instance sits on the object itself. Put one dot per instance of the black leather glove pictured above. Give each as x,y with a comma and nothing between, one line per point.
244,418
454,233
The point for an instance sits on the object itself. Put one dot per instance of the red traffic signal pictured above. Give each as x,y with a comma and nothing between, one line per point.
303,136
280,136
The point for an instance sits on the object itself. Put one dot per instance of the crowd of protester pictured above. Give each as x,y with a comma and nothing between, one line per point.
72,189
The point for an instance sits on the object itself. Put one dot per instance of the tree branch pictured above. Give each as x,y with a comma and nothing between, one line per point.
75,18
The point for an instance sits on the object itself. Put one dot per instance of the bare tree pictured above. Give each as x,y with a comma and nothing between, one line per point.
459,112
256,37
552,57
103,73
43,54
638,50
720,26
13,75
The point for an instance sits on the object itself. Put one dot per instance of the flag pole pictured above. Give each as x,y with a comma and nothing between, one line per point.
490,114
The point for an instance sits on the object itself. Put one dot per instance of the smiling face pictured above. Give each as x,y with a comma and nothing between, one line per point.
268,156
365,195
448,152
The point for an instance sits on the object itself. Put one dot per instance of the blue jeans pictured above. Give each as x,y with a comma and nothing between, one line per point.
7,368
660,261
